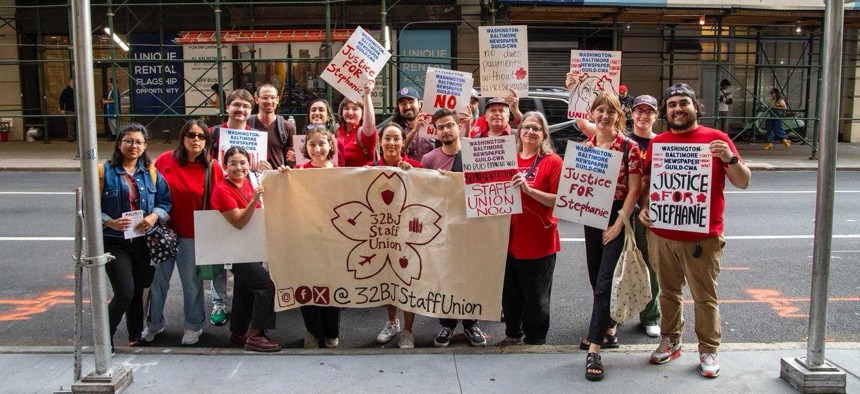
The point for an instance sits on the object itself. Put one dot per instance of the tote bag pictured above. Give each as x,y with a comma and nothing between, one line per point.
631,284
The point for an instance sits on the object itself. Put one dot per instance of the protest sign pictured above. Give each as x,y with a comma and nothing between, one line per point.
489,164
595,72
387,237
225,244
255,142
445,89
680,187
357,62
504,60
586,190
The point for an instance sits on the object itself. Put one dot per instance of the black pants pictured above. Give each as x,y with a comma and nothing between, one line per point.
129,273
601,260
526,298
253,299
452,323
322,322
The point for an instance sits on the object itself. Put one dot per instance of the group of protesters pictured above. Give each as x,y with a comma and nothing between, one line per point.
190,178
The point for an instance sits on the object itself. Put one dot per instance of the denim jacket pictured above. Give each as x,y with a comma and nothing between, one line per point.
115,197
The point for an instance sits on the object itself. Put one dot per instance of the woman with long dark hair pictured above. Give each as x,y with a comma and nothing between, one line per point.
320,113
130,185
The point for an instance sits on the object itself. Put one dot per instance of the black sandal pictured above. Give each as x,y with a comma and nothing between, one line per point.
584,344
610,341
592,362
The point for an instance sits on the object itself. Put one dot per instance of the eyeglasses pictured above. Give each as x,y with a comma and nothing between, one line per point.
451,125
196,136
133,142
234,164
240,105
316,126
531,128
640,112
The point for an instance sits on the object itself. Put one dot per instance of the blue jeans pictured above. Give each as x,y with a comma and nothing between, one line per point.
218,289
192,289
775,129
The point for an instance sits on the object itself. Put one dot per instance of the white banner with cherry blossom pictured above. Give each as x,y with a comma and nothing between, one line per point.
386,236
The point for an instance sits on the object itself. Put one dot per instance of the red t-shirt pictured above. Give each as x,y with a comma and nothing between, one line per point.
227,196
352,153
700,135
634,163
481,129
382,162
186,190
309,165
534,233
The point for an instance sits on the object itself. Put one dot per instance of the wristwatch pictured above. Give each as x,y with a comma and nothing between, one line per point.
733,160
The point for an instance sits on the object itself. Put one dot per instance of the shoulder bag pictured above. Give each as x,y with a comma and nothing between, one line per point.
631,285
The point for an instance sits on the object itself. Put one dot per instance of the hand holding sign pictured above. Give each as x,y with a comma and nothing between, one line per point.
358,62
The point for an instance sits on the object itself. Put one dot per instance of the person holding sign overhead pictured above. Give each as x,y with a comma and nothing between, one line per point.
392,155
253,291
534,240
357,129
681,256
130,184
603,247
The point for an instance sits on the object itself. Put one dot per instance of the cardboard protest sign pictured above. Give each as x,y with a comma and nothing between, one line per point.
589,177
255,142
358,61
489,164
387,237
218,242
445,89
504,60
595,72
681,187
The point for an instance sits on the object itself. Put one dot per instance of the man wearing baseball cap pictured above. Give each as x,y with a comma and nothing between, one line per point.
410,118
626,105
497,114
680,257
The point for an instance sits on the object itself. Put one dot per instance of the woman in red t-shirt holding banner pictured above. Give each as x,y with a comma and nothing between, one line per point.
253,290
534,239
357,129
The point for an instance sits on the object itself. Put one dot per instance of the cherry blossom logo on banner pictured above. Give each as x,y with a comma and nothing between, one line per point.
388,230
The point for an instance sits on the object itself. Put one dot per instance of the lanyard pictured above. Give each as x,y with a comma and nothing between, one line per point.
531,172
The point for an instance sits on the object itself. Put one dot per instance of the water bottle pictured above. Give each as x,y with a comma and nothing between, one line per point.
292,120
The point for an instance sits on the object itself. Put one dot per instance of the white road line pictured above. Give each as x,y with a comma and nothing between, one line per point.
752,237
16,239
38,193
782,191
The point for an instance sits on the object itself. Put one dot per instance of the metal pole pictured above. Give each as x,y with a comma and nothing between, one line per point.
218,64
719,59
829,105
328,54
85,95
79,280
114,117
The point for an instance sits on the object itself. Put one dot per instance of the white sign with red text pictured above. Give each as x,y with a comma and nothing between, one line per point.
489,164
255,142
446,89
586,190
357,62
681,187
504,60
595,72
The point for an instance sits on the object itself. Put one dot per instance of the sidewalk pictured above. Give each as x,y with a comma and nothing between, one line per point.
747,368
59,155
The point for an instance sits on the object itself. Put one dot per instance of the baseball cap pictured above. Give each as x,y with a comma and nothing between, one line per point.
622,88
475,94
407,92
679,88
495,100
645,100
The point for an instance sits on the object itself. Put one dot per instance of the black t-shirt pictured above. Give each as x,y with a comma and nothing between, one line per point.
642,141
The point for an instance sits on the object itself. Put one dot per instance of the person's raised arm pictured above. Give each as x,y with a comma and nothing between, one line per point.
369,116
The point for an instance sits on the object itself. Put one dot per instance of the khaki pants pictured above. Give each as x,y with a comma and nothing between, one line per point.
675,265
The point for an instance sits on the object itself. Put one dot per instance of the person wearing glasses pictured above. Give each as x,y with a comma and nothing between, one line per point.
280,131
320,113
357,129
184,169
603,247
128,186
534,240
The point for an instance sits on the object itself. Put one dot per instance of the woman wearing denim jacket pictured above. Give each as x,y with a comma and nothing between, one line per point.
128,186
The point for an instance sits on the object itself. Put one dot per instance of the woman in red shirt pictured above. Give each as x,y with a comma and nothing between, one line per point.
392,155
357,129
603,247
253,290
534,240
185,170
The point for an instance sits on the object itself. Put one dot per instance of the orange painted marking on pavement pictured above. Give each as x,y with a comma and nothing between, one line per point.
25,308
734,268
782,305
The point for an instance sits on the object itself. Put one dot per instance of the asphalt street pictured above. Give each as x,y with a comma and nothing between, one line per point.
764,283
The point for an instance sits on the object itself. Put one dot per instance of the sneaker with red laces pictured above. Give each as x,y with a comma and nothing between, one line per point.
667,351
709,365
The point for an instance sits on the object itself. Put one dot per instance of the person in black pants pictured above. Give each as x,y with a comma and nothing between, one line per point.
603,247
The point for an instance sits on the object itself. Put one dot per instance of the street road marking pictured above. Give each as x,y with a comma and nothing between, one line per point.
38,193
16,239
25,308
735,268
783,191
745,237
782,305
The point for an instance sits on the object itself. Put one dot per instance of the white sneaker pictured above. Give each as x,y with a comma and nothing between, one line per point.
709,365
191,337
392,328
652,331
149,335
311,342
407,341
332,343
